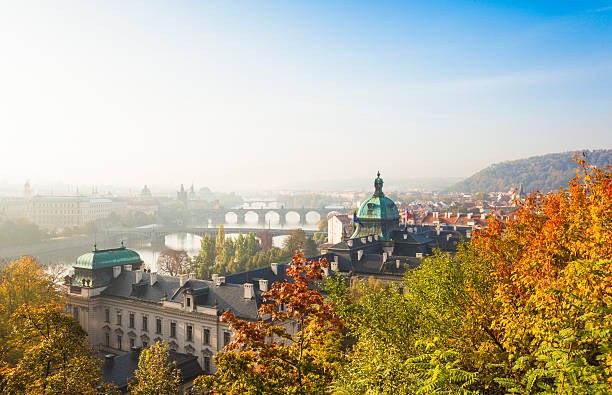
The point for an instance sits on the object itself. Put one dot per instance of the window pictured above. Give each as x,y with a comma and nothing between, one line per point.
206,364
107,339
119,342
158,326
189,333
131,320
226,338
145,323
107,315
76,313
206,336
188,302
173,329
132,343
118,318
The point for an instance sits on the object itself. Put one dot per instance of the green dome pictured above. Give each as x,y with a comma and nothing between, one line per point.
98,259
378,214
378,206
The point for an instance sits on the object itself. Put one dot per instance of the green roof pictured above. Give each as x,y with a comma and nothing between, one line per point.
98,259
378,206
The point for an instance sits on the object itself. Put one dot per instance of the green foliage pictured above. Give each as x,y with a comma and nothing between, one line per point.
20,232
542,173
155,374
56,359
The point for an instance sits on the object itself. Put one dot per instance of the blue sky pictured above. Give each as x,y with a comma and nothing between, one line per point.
241,94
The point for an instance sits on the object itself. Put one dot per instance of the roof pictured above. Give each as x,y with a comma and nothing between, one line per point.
98,259
225,297
120,369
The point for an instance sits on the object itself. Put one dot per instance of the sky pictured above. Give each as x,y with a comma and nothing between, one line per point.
239,95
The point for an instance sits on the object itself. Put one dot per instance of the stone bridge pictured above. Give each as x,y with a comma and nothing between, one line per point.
157,234
263,216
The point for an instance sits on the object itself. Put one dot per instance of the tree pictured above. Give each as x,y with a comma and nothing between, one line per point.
173,262
266,357
220,240
204,262
23,282
524,307
295,241
266,240
310,248
155,374
55,360
319,238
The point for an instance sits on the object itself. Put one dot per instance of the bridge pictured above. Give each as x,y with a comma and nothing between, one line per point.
261,216
157,234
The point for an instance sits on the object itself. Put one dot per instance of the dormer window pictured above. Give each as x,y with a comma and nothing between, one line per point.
188,302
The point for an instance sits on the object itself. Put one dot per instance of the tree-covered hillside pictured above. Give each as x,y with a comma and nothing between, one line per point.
543,173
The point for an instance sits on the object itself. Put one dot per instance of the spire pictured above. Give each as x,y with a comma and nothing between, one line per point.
378,184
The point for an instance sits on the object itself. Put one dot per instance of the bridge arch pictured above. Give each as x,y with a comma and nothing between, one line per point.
231,217
272,218
251,217
293,217
312,217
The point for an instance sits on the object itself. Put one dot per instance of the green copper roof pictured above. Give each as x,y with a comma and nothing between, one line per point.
378,206
378,214
98,259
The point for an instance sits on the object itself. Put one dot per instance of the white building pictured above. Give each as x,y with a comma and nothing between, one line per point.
61,211
121,306
339,228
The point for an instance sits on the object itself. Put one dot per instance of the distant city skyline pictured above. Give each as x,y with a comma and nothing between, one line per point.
242,95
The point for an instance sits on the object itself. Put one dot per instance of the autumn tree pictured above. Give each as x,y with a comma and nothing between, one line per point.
23,282
55,357
267,356
155,374
173,262
294,241
220,240
523,308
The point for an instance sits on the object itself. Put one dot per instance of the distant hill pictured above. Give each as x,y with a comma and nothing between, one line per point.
543,173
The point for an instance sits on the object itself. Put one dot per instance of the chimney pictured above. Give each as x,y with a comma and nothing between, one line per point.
220,281
483,216
192,276
116,271
249,292
363,240
397,263
336,258
274,267
438,231
138,277
369,238
469,215
448,237
419,255
376,237
128,267
326,272
405,236
468,234
359,254
215,277
153,277
334,266
349,243
384,258
183,279
263,285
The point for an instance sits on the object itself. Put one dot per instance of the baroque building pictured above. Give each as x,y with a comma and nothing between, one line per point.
122,306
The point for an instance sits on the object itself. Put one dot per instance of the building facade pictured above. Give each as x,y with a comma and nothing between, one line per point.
122,306
60,211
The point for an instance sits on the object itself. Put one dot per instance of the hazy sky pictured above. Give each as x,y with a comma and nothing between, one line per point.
255,94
